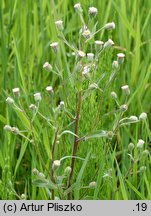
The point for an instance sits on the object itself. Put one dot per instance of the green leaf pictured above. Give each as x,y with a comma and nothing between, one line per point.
101,133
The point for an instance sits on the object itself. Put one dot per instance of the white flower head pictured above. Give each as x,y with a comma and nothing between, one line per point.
47,66
93,11
37,97
10,100
115,65
133,118
86,33
125,89
54,46
78,8
140,143
143,116
120,58
59,25
32,107
110,25
16,91
49,89
15,130
90,56
86,70
98,44
123,107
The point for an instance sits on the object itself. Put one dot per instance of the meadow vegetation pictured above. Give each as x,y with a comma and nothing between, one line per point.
75,99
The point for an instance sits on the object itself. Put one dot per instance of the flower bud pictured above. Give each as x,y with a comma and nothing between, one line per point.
93,86
32,107
81,54
125,89
120,58
133,118
23,196
67,170
140,143
15,130
9,100
41,175
54,46
115,65
93,11
61,105
37,97
35,171
142,169
47,66
90,56
49,89
7,128
108,43
59,25
110,134
131,146
143,116
56,164
16,91
78,8
145,153
86,34
123,107
110,25
92,184
113,95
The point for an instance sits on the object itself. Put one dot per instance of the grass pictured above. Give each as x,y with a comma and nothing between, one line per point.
26,31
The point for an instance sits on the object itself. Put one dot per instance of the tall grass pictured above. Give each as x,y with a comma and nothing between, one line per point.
26,30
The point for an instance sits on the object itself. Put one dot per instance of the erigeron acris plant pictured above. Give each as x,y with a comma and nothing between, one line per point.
84,79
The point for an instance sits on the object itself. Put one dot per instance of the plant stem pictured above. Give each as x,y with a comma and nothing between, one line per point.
75,144
52,153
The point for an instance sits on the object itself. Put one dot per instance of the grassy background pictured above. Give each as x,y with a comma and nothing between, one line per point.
26,30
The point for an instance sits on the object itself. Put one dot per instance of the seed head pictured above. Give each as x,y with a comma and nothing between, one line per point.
59,25
10,100
125,89
143,116
47,66
37,97
16,91
7,128
140,143
108,43
93,11
110,25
